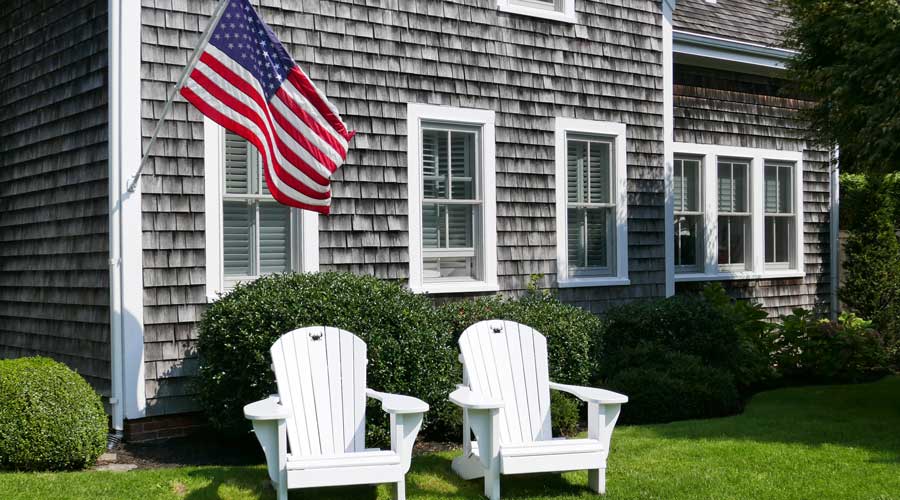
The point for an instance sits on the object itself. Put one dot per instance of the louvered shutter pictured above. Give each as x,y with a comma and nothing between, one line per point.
771,182
237,175
597,223
237,238
274,238
462,165
725,187
598,179
576,178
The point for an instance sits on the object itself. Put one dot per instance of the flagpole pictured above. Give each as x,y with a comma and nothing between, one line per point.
213,21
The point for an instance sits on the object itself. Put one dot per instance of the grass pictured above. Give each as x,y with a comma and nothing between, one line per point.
830,442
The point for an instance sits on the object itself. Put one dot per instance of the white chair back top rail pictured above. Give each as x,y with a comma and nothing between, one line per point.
508,361
321,376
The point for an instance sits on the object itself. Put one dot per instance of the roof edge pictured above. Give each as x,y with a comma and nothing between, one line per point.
733,51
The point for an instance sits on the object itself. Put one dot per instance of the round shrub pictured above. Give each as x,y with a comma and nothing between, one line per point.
50,418
565,414
410,350
675,387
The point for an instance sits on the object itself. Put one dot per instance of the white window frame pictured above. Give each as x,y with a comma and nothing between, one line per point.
710,155
562,10
417,114
617,133
305,223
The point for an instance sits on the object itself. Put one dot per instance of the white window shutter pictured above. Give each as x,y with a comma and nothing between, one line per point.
274,238
237,240
237,176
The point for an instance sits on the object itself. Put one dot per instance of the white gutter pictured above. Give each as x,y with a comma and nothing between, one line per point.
115,218
724,49
668,7
125,240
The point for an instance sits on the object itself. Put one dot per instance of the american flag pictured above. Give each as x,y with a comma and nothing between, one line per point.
247,82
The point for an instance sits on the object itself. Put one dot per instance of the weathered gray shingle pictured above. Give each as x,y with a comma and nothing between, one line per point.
756,21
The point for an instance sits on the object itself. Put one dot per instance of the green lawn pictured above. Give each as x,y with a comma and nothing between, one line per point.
835,442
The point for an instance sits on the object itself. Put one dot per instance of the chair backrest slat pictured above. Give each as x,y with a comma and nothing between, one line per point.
508,361
321,376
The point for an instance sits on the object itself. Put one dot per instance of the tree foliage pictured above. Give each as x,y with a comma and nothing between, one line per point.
849,65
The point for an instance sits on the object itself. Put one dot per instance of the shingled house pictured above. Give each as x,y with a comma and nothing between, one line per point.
620,149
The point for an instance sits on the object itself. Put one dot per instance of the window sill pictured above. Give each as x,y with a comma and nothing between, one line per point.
589,282
747,275
550,15
456,287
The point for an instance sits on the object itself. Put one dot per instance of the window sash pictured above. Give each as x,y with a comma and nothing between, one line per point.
583,241
470,254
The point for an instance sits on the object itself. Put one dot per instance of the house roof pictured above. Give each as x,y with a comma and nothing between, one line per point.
754,21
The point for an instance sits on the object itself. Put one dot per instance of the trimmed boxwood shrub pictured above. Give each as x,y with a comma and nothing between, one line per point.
681,388
722,333
50,418
410,350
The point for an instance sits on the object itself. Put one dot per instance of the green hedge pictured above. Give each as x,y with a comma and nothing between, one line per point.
410,350
50,418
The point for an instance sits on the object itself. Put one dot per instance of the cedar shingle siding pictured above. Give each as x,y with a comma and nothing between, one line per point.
731,109
371,60
53,184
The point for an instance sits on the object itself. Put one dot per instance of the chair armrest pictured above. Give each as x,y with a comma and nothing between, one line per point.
267,409
464,397
397,403
591,394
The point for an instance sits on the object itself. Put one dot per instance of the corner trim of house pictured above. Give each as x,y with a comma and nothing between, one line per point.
125,229
669,144
723,49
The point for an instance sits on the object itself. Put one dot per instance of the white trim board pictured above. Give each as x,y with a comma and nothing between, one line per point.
757,157
483,119
566,15
616,131
128,397
668,151
305,223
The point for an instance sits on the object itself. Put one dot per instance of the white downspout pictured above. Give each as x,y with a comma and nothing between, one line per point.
835,232
668,7
115,217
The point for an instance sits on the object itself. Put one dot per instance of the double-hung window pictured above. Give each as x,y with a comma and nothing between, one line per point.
689,224
249,234
452,201
735,236
735,213
780,214
556,10
591,203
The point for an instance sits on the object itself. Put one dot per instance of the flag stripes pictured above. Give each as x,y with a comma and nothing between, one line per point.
246,82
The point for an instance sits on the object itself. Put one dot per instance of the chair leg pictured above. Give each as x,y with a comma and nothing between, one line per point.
492,483
597,480
282,489
399,492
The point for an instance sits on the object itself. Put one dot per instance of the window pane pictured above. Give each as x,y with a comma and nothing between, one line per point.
598,177
462,165
448,226
779,238
577,173
589,237
435,163
237,177
688,240
733,234
449,267
771,182
740,187
785,191
687,185
274,238
726,187
237,227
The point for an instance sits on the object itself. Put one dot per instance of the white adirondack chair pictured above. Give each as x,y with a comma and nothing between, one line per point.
313,431
505,398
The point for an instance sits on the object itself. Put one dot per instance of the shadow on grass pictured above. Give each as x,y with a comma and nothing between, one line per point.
430,477
863,416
